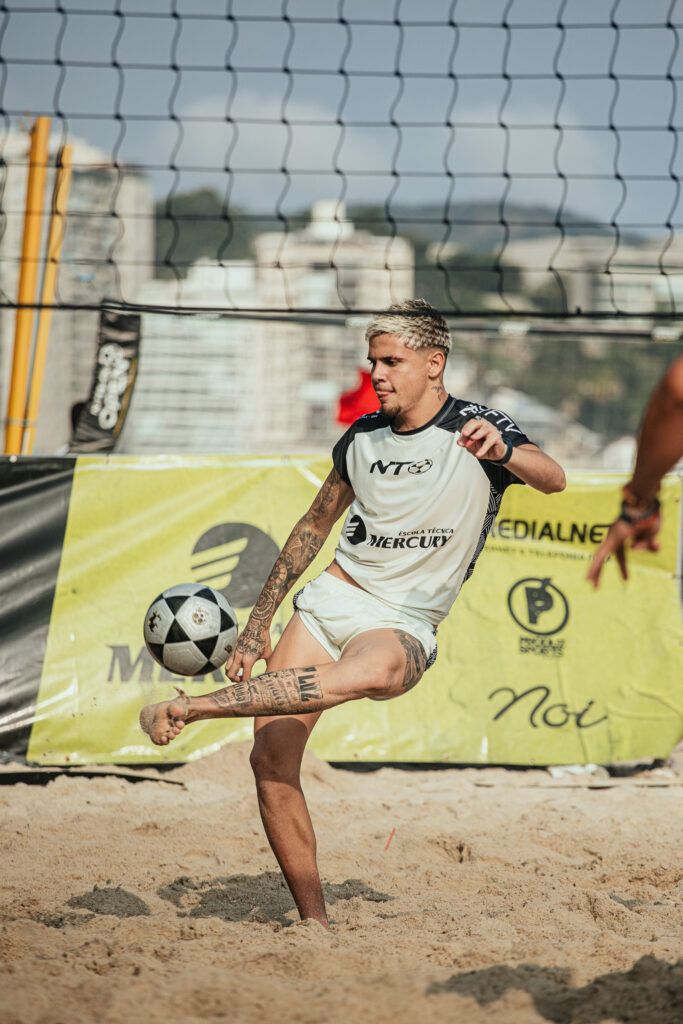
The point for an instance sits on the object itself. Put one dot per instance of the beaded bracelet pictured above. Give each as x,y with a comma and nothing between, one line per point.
633,518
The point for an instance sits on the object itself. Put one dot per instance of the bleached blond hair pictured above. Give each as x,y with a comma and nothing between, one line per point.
415,322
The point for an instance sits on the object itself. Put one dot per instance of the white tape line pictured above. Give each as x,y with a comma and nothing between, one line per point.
311,477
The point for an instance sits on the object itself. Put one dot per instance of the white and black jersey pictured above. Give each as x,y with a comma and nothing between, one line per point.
423,506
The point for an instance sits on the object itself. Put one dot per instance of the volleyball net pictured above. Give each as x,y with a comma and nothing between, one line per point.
510,157
293,167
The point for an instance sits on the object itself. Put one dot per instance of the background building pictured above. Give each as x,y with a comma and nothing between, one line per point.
592,272
261,384
330,264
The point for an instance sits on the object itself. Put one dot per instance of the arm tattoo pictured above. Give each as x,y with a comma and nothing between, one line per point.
291,691
327,497
416,659
297,554
301,547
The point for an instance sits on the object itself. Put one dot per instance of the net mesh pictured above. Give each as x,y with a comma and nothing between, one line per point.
209,384
255,177
507,157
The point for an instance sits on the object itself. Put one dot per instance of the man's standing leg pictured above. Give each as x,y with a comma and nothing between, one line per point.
400,661
279,744
380,664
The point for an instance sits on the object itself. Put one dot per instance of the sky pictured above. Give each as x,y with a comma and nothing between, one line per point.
577,104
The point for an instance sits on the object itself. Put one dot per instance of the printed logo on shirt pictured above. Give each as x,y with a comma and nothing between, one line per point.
421,467
355,530
394,468
432,537
499,419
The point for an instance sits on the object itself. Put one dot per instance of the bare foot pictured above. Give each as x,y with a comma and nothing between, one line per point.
313,921
163,721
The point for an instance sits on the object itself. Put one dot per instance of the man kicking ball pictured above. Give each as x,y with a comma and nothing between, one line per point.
422,480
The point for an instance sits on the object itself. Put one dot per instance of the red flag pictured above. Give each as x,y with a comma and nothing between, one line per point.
358,401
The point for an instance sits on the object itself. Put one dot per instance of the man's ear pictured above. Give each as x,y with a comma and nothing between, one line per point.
435,363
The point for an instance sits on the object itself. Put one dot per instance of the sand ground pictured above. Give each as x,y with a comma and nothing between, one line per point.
468,895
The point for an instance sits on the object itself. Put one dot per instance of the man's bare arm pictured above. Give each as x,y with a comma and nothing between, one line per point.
301,547
660,446
537,469
483,440
660,443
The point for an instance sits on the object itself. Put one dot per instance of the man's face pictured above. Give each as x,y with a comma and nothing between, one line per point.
400,375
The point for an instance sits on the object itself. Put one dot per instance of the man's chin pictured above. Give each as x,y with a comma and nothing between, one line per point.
388,409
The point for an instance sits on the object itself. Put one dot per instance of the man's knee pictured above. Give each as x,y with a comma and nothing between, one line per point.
393,672
270,766
381,678
276,754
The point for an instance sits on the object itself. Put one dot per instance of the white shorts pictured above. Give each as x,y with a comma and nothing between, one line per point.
335,612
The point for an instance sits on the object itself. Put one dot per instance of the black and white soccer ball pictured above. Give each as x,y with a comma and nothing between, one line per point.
190,629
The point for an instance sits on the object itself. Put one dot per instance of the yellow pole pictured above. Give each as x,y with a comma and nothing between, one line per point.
28,276
54,248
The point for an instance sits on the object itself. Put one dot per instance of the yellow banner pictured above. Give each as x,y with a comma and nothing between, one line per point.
534,667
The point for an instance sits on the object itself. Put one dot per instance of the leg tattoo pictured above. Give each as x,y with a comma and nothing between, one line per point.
416,659
289,692
286,692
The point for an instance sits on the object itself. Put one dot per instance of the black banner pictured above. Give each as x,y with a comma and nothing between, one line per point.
104,413
34,502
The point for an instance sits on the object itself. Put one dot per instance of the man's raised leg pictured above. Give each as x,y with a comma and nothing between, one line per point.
379,664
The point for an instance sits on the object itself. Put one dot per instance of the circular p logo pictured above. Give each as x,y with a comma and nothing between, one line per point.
538,606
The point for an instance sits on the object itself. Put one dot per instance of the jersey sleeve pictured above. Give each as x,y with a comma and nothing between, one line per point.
339,455
500,476
504,423
364,424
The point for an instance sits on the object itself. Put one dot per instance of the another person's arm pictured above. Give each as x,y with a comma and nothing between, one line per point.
301,547
660,446
483,440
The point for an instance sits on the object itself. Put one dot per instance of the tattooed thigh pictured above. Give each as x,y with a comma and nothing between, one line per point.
415,656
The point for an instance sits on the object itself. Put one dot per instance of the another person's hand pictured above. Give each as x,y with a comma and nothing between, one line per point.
252,644
642,535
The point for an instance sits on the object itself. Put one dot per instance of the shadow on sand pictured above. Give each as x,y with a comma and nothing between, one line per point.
651,992
263,897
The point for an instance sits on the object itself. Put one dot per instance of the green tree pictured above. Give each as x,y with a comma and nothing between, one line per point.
463,282
195,224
